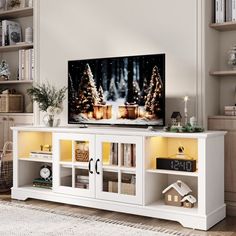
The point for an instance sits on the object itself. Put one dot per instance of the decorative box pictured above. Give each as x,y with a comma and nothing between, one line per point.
11,103
230,110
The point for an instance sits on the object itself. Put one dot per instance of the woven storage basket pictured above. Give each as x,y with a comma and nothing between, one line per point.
81,156
6,168
11,103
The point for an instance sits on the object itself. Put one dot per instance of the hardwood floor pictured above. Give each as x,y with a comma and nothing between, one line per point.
225,228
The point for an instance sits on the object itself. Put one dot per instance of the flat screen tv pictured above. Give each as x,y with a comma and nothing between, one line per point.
117,91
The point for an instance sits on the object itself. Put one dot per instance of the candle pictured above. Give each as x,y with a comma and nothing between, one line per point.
186,109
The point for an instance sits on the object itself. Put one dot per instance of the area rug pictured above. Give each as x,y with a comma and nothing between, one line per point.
17,219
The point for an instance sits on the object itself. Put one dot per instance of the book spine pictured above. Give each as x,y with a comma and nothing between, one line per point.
216,11
221,11
3,32
233,10
20,64
26,64
23,64
111,154
228,8
32,64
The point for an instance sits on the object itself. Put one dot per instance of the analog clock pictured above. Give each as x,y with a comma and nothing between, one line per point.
45,172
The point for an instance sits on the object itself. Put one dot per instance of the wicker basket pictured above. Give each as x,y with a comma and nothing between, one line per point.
11,103
81,156
6,168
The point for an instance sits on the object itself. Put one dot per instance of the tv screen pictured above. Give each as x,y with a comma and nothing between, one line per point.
119,91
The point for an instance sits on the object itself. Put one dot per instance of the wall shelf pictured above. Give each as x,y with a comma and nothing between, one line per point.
17,82
226,26
12,48
223,73
21,12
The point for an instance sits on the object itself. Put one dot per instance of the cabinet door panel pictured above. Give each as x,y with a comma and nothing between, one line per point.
73,171
230,161
119,168
230,153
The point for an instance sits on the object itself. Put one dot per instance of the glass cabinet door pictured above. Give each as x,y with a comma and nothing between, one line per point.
74,172
119,168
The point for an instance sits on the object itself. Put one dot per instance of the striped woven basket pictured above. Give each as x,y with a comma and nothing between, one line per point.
6,168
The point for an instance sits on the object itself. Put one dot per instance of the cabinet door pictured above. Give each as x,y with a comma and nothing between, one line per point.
73,164
3,131
119,168
230,162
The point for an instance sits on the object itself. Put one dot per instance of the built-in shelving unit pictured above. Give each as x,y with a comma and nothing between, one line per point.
24,16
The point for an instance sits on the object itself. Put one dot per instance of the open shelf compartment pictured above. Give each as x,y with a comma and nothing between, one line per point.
29,142
163,147
155,184
31,172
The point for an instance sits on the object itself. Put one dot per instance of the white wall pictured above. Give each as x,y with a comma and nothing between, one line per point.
79,29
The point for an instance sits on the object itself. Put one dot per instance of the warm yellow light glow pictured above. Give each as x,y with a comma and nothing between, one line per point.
66,150
31,141
168,147
106,147
186,98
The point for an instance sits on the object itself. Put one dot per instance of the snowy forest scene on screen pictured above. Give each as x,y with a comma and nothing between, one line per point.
123,90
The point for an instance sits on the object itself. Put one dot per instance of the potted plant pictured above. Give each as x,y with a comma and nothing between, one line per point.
49,100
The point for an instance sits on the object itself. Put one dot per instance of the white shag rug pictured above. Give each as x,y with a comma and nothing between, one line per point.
18,219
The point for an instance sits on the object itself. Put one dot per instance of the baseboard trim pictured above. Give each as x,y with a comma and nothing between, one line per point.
230,208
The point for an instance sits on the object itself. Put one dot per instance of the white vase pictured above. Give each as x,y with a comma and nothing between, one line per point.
51,121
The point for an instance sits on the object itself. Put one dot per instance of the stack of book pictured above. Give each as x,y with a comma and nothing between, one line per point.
42,183
26,64
225,10
82,181
41,155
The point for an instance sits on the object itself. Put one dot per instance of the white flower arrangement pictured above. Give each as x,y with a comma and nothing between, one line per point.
52,111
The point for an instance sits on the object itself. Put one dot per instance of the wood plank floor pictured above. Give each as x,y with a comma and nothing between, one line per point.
225,228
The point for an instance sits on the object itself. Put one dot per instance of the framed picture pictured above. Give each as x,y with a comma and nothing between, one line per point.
14,4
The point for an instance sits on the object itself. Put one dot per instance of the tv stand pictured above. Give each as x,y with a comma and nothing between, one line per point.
114,169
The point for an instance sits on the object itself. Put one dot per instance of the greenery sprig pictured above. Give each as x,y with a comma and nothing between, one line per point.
47,95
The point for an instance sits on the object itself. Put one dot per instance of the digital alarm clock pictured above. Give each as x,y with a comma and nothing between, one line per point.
176,164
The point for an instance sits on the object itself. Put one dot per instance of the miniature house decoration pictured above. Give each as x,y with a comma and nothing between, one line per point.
189,201
177,194
176,118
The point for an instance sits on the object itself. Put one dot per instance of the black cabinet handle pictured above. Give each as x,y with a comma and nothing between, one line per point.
90,171
96,166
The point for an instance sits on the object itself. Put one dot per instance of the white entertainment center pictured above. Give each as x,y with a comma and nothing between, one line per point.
134,188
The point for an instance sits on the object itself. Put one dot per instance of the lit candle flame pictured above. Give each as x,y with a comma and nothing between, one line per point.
186,98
